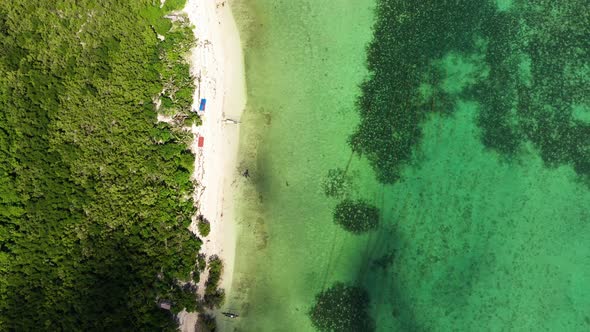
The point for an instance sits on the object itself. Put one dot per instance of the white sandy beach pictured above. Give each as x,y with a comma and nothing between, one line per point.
217,64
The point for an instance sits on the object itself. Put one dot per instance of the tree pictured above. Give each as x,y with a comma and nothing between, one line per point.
356,216
214,296
206,323
203,225
342,308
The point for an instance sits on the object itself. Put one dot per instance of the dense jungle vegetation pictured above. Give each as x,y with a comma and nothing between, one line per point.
95,195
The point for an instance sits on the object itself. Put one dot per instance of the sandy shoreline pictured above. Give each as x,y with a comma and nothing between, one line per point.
217,65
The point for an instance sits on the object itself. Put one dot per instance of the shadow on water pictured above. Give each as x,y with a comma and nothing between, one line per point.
386,291
401,272
529,95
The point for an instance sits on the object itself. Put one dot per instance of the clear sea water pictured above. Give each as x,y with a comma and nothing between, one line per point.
480,242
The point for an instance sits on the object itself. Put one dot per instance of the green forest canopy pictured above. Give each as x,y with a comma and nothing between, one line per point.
95,195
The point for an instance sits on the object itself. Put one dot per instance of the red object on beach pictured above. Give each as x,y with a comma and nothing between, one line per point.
201,141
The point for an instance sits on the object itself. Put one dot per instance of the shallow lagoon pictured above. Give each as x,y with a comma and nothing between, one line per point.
470,239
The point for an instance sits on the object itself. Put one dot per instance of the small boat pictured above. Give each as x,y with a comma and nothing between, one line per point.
231,121
230,315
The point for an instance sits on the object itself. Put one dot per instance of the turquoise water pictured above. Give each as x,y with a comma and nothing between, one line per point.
483,193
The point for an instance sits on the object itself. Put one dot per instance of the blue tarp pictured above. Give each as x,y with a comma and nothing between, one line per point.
202,106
